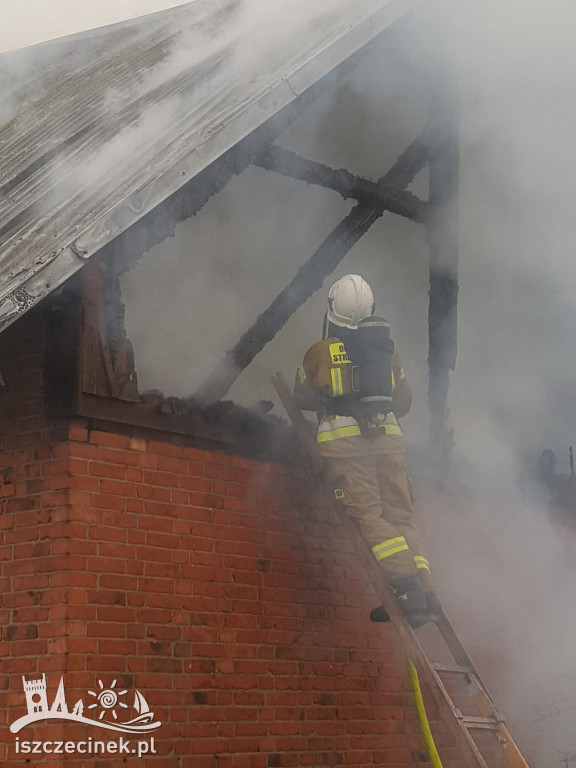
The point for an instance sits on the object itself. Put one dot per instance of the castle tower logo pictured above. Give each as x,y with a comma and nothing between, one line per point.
108,705
35,692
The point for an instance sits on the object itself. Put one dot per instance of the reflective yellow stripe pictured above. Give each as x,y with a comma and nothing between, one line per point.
334,434
421,562
381,555
388,543
336,375
334,383
400,548
390,547
402,376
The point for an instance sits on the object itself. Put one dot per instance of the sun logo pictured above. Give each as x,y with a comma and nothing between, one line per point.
107,699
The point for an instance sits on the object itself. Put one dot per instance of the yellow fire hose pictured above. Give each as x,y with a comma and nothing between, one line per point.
424,724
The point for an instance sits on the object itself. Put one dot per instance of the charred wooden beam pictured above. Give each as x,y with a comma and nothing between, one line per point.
410,162
442,235
307,280
62,319
342,181
310,276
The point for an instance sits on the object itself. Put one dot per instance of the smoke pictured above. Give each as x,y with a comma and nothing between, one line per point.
505,573
504,565
35,21
210,69
517,272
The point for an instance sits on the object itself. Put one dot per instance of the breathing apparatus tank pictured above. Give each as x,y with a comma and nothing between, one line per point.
372,355
369,348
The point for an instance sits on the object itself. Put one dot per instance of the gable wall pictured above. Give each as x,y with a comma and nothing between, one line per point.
220,587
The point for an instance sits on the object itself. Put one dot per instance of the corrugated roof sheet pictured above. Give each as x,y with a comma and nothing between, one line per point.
97,129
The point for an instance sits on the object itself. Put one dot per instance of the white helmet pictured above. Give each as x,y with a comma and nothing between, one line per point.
350,300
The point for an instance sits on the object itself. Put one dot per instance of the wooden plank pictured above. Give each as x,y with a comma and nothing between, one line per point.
62,357
98,377
348,185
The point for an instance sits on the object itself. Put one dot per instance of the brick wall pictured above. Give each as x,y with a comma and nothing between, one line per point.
218,586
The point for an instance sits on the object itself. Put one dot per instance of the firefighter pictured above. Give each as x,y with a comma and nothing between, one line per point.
354,379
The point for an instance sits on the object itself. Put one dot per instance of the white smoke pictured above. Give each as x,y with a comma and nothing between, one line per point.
33,22
505,565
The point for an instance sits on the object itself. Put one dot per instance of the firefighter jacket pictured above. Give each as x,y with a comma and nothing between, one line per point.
325,380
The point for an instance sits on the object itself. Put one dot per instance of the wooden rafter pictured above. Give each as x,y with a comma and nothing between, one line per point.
347,185
311,275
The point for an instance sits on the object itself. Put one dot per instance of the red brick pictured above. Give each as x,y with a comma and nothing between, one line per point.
78,433
85,451
151,553
102,469
106,564
156,584
103,501
107,533
174,465
117,487
134,475
158,517
191,483
115,550
109,439
116,581
154,493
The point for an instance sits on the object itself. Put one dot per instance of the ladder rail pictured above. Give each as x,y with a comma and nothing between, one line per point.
482,698
458,725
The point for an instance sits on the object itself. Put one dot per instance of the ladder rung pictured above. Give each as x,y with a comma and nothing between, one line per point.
479,722
452,668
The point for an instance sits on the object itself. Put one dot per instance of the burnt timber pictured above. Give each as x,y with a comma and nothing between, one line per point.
345,183
311,275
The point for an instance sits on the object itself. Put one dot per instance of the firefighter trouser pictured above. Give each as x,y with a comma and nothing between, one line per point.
375,492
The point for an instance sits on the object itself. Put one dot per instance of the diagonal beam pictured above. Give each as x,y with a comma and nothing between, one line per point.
307,280
347,184
310,276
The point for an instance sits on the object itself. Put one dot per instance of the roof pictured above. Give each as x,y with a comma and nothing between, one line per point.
97,129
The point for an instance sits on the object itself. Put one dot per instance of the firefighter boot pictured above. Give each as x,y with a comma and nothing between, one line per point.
433,604
379,614
412,600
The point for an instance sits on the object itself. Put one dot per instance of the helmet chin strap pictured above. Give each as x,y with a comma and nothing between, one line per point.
325,326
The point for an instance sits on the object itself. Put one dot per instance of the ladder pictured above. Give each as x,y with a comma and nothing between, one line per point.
463,704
